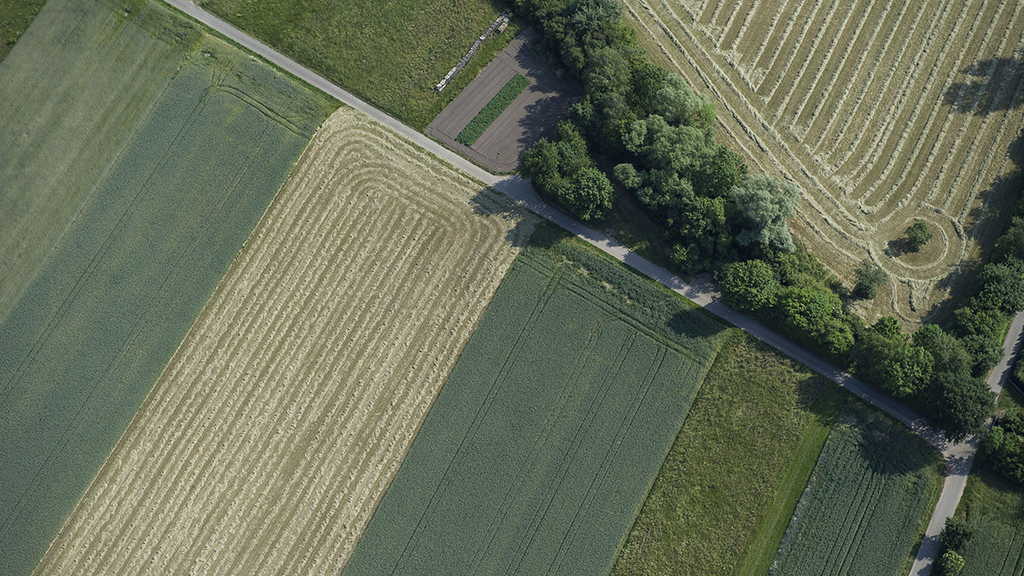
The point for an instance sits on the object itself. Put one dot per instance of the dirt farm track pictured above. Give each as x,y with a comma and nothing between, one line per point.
269,438
884,113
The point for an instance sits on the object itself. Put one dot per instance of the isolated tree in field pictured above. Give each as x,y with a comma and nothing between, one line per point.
749,285
766,203
918,235
869,277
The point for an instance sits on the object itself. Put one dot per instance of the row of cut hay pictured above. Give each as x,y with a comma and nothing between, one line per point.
270,437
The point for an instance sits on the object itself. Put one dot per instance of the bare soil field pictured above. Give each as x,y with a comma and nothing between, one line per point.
528,118
271,435
885,114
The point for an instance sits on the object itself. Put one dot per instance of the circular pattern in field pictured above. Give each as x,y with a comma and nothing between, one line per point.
271,435
882,112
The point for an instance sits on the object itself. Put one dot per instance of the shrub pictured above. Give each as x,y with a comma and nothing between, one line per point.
869,277
951,564
918,235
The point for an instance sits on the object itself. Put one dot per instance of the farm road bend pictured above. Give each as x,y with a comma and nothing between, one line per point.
702,292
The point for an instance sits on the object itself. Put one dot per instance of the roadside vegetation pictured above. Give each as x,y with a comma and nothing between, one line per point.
986,536
546,437
15,18
727,489
390,54
645,140
493,109
145,153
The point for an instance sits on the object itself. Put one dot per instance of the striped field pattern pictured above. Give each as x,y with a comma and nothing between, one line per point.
269,438
885,113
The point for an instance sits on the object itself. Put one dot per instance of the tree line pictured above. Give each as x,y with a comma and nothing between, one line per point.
643,131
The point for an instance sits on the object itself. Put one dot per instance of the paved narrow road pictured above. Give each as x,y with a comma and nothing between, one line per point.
703,292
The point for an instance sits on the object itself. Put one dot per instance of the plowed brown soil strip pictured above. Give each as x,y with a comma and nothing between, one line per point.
273,432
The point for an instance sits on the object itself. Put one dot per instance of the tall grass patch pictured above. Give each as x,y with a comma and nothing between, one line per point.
390,54
724,495
544,440
866,504
995,508
147,238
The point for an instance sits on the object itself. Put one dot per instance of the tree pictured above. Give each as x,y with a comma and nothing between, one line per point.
965,403
951,563
588,194
869,277
885,358
1002,285
956,533
749,285
949,353
1004,447
918,235
766,203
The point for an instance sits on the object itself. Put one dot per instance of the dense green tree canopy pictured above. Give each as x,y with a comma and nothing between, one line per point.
766,203
749,285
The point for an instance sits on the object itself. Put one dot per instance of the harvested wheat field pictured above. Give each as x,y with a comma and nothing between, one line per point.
885,113
271,435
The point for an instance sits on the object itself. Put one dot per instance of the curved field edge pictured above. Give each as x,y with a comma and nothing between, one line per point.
546,437
727,488
884,114
270,436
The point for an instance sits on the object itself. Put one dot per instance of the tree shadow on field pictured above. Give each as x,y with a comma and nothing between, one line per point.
488,203
986,224
991,85
889,448
694,324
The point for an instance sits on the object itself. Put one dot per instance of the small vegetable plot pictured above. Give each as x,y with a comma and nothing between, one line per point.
544,441
865,505
494,108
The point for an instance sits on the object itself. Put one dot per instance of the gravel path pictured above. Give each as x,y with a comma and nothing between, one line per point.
703,292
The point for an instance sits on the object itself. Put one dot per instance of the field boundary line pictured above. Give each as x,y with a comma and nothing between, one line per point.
703,292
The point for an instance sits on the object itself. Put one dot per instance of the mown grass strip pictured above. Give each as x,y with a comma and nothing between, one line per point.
494,108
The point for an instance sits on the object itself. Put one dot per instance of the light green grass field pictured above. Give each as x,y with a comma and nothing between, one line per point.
544,440
996,509
391,53
135,205
866,504
724,496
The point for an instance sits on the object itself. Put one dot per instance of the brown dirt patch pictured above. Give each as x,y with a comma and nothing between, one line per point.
529,117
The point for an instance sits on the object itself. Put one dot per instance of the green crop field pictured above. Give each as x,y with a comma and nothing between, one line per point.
390,53
724,496
494,108
142,154
996,509
866,504
15,17
545,439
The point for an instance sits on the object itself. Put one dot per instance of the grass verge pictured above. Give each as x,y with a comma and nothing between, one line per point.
493,109
390,53
726,491
996,509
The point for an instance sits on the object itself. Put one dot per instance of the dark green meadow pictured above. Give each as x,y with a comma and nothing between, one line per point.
390,53
130,268
995,508
541,446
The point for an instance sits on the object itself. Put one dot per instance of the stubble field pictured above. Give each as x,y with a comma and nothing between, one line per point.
884,113
269,438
